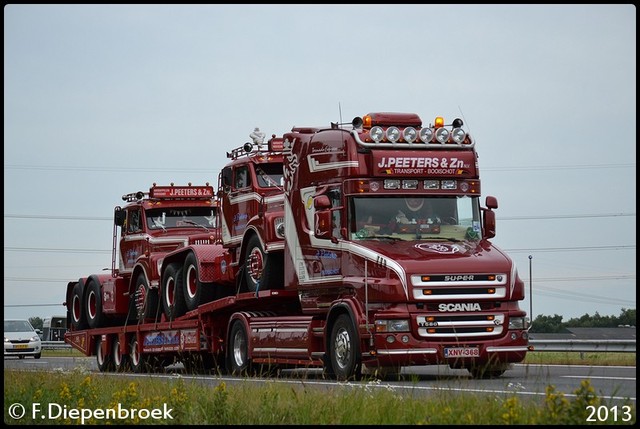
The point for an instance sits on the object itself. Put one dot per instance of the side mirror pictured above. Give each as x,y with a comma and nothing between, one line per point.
491,202
119,216
321,202
322,220
489,224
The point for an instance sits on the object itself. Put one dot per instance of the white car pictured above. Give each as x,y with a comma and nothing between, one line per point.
20,339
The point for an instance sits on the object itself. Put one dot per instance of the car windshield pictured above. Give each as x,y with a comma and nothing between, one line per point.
450,218
17,326
178,217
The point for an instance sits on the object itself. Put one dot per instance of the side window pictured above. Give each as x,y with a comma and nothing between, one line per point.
133,221
243,178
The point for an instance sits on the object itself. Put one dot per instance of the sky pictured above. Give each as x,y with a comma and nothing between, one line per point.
104,100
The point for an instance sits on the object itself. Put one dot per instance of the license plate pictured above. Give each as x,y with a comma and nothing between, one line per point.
461,352
20,346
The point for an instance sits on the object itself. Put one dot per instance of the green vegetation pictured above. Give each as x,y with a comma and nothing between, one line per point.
554,324
581,358
191,402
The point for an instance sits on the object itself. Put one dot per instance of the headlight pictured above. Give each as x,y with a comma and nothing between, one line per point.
518,323
35,338
394,325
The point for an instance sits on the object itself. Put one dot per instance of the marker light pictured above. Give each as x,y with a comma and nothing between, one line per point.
439,122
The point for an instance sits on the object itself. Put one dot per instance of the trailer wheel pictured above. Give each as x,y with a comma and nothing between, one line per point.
173,303
138,361
238,358
103,359
77,310
93,305
196,292
263,271
120,360
344,351
144,300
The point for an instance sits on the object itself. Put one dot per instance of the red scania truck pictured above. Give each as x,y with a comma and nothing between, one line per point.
347,247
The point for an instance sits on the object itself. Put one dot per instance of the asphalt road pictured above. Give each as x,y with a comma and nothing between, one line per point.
615,384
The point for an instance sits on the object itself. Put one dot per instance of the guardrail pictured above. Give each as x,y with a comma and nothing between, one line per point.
54,345
571,345
623,346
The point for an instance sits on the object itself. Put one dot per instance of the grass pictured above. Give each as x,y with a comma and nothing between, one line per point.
78,397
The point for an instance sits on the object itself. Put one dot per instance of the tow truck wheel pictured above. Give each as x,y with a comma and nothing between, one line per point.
120,360
104,359
137,360
344,352
263,271
173,303
238,358
196,292
144,300
77,309
93,305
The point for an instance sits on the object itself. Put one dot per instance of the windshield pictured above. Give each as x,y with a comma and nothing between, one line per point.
181,217
269,175
454,218
17,326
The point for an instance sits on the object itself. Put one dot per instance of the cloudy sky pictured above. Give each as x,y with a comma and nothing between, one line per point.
103,100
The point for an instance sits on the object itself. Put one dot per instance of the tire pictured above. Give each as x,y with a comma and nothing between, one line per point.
137,361
77,309
262,271
344,350
93,305
120,361
21,356
173,303
238,351
144,301
104,360
195,292
37,356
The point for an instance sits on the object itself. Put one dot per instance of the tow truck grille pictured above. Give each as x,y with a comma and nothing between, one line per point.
457,326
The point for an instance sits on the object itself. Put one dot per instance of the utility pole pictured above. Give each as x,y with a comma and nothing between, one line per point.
530,291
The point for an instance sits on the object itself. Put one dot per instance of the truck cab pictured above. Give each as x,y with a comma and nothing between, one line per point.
251,213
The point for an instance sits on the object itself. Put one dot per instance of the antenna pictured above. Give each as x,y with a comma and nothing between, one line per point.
464,119
340,110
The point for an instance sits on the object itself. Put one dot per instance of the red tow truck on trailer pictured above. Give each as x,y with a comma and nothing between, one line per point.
346,247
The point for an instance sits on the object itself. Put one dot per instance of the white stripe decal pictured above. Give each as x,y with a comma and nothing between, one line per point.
314,164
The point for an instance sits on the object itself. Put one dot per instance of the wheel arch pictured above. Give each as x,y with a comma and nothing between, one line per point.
338,309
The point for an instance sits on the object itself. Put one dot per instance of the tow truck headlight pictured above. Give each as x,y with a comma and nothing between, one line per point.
392,325
458,135
278,225
426,135
377,134
518,323
442,135
393,134
409,134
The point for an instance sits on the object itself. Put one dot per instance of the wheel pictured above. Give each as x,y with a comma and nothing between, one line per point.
37,356
144,300
263,271
77,309
120,361
136,359
238,358
20,356
104,360
196,292
344,351
173,303
93,305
